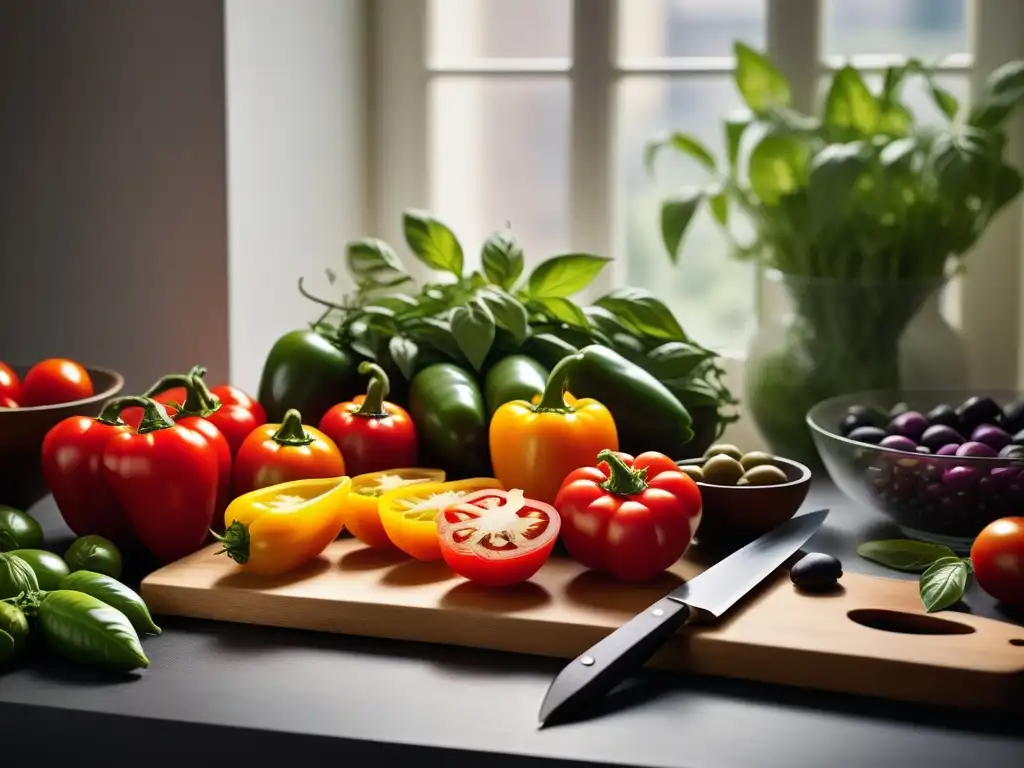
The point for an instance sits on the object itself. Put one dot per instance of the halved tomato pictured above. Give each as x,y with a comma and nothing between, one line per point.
408,514
497,538
362,514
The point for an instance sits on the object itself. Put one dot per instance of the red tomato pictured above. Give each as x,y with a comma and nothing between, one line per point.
220,447
10,385
169,399
6,402
630,518
998,558
229,395
55,381
278,453
497,538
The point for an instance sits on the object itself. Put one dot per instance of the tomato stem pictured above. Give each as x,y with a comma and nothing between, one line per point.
234,542
622,480
376,391
553,399
154,417
291,431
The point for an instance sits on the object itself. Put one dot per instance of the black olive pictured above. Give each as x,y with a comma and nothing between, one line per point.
869,435
976,411
1013,417
850,422
898,409
943,415
816,572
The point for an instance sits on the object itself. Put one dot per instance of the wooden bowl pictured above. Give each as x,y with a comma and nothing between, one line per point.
739,514
22,431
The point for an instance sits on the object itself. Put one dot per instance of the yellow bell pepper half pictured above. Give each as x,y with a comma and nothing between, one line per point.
276,529
362,518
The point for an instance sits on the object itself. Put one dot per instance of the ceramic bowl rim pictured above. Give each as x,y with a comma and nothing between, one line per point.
805,475
116,386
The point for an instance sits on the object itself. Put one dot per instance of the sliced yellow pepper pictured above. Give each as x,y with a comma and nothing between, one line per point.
276,529
362,517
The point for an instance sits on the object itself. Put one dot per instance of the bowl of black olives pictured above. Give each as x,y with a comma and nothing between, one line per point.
942,464
745,494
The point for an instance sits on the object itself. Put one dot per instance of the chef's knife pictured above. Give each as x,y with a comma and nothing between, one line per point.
598,670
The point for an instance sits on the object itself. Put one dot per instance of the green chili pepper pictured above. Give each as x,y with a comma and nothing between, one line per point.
116,595
306,371
448,409
18,530
13,631
83,628
48,567
647,416
516,377
16,577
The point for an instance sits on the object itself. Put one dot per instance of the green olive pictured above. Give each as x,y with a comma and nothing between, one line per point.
694,471
766,474
722,470
756,459
723,449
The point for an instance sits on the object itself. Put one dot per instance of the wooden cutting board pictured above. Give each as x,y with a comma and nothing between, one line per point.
844,641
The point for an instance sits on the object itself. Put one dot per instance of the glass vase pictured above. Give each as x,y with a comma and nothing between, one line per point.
825,337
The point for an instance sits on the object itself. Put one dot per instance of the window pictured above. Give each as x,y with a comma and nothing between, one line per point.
535,112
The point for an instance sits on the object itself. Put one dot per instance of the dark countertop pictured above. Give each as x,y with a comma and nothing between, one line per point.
250,694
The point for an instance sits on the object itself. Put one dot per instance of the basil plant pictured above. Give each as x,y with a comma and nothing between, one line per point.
860,190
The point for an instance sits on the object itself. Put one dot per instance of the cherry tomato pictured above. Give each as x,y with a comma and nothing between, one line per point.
6,402
55,381
10,385
630,518
497,538
998,558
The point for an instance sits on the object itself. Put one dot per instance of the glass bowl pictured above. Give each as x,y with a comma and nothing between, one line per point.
918,491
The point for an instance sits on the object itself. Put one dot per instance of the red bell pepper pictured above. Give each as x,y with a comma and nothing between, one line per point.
372,434
72,459
630,518
165,478
280,453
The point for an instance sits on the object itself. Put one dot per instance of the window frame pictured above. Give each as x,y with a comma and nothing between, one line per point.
987,305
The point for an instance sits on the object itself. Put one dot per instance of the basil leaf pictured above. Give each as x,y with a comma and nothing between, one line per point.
693,394
687,145
473,329
560,310
404,352
675,360
431,241
602,320
778,166
436,333
374,261
641,310
508,312
904,554
562,276
502,259
943,584
759,81
676,214
399,303
851,111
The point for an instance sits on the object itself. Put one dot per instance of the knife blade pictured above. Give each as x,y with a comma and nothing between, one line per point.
709,595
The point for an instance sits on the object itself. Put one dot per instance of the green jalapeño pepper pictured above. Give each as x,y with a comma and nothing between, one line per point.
116,595
448,409
83,628
516,377
306,371
647,416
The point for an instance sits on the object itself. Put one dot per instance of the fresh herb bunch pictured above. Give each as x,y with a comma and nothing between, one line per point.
861,190
473,318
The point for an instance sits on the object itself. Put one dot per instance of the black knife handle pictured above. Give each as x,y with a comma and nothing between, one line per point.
622,653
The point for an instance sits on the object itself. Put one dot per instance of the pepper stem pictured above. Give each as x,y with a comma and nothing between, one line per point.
553,398
376,390
291,431
234,542
622,480
154,418
199,401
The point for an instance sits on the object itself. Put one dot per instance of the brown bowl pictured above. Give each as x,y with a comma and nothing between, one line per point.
22,431
738,514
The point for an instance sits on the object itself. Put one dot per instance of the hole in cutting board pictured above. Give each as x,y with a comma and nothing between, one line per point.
907,623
